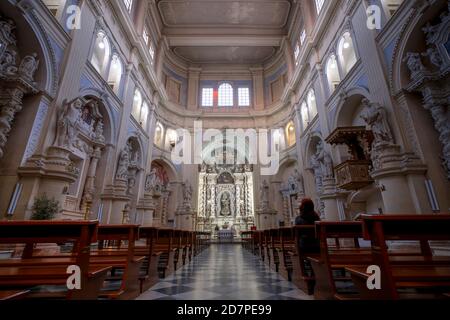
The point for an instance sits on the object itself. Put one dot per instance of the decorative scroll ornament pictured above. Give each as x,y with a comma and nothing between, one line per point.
16,79
432,79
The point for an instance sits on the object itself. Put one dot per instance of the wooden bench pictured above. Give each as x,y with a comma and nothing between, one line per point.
302,275
13,294
116,248
149,272
339,248
164,245
405,276
30,271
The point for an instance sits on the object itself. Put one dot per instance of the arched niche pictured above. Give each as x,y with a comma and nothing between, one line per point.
346,52
332,72
101,52
115,73
290,134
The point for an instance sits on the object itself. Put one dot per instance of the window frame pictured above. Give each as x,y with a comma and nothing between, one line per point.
247,97
229,95
211,89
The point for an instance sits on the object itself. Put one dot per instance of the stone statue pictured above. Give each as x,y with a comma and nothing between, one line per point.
323,160
99,131
28,66
152,180
299,178
414,62
187,192
225,204
434,56
68,122
264,190
376,118
124,163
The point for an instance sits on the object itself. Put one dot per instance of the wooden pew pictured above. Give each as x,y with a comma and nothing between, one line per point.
400,273
116,248
30,271
164,245
302,275
149,271
13,294
329,266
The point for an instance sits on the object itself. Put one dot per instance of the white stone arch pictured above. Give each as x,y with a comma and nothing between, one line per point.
343,102
49,79
172,170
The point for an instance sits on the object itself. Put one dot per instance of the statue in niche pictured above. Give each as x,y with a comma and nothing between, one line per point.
29,65
187,192
264,190
414,62
68,122
434,56
152,180
99,131
376,118
124,163
299,179
323,160
225,204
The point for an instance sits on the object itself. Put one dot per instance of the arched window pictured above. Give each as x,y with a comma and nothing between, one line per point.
290,134
137,104
346,53
305,115
159,133
333,73
225,95
312,106
144,116
115,73
102,51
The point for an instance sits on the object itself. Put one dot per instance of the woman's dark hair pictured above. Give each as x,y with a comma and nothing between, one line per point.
307,211
306,206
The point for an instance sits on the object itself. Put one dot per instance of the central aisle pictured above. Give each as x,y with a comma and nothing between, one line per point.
224,272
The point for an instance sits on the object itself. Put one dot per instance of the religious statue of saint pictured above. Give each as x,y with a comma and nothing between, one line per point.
124,163
68,123
152,180
264,191
225,204
187,192
376,118
29,65
414,62
322,160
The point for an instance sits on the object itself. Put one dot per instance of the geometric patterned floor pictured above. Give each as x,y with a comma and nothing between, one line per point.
224,272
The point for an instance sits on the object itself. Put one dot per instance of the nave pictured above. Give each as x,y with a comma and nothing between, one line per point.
224,272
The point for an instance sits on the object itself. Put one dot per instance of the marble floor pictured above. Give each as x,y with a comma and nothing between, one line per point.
224,272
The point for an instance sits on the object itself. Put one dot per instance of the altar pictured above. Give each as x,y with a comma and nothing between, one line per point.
225,198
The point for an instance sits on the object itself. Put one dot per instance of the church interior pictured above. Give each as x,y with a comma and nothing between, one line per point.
224,149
